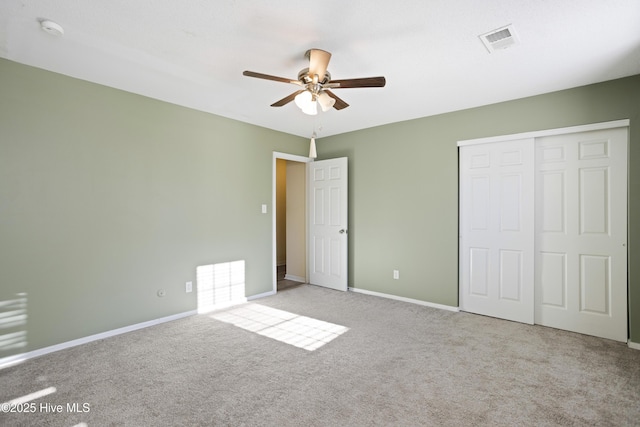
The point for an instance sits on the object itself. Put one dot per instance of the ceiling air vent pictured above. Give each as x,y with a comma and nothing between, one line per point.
501,38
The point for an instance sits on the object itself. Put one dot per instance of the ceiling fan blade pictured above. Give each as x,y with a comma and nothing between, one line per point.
340,104
268,77
363,82
318,62
286,99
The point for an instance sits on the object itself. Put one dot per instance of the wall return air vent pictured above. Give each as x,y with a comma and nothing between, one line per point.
500,38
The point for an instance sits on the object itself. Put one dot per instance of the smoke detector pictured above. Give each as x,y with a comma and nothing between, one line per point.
500,38
51,27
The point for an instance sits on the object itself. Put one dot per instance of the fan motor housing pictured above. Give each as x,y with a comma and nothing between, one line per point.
305,78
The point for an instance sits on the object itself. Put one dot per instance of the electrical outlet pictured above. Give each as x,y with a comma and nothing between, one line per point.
396,274
188,287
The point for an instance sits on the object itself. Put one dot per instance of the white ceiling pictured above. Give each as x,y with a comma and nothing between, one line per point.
192,53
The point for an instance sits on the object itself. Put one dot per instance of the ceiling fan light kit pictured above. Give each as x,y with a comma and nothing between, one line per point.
315,83
308,102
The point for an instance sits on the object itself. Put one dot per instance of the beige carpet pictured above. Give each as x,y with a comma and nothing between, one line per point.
397,364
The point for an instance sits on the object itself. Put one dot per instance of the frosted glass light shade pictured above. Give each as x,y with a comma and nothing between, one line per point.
325,101
304,100
311,109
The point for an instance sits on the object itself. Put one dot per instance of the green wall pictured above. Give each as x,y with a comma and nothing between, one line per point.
107,196
403,187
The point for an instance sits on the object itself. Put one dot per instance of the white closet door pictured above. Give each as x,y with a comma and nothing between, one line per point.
497,229
581,233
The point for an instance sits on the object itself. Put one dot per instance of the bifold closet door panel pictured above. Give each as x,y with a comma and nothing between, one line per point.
497,229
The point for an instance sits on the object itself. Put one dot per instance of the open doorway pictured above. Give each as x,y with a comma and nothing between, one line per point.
290,228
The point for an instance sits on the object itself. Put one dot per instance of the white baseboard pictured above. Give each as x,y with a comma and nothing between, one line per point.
411,300
633,345
295,278
18,358
262,295
216,307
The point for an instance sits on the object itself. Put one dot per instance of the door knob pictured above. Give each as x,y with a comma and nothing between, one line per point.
343,231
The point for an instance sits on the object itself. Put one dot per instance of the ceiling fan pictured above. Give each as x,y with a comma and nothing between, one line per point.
315,83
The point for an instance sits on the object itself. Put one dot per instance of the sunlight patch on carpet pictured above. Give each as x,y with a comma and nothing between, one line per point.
28,397
299,331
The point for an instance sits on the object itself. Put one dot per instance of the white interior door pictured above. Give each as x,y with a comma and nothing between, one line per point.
327,192
497,229
581,211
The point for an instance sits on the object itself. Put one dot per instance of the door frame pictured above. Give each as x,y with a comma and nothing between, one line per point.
547,132
274,246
